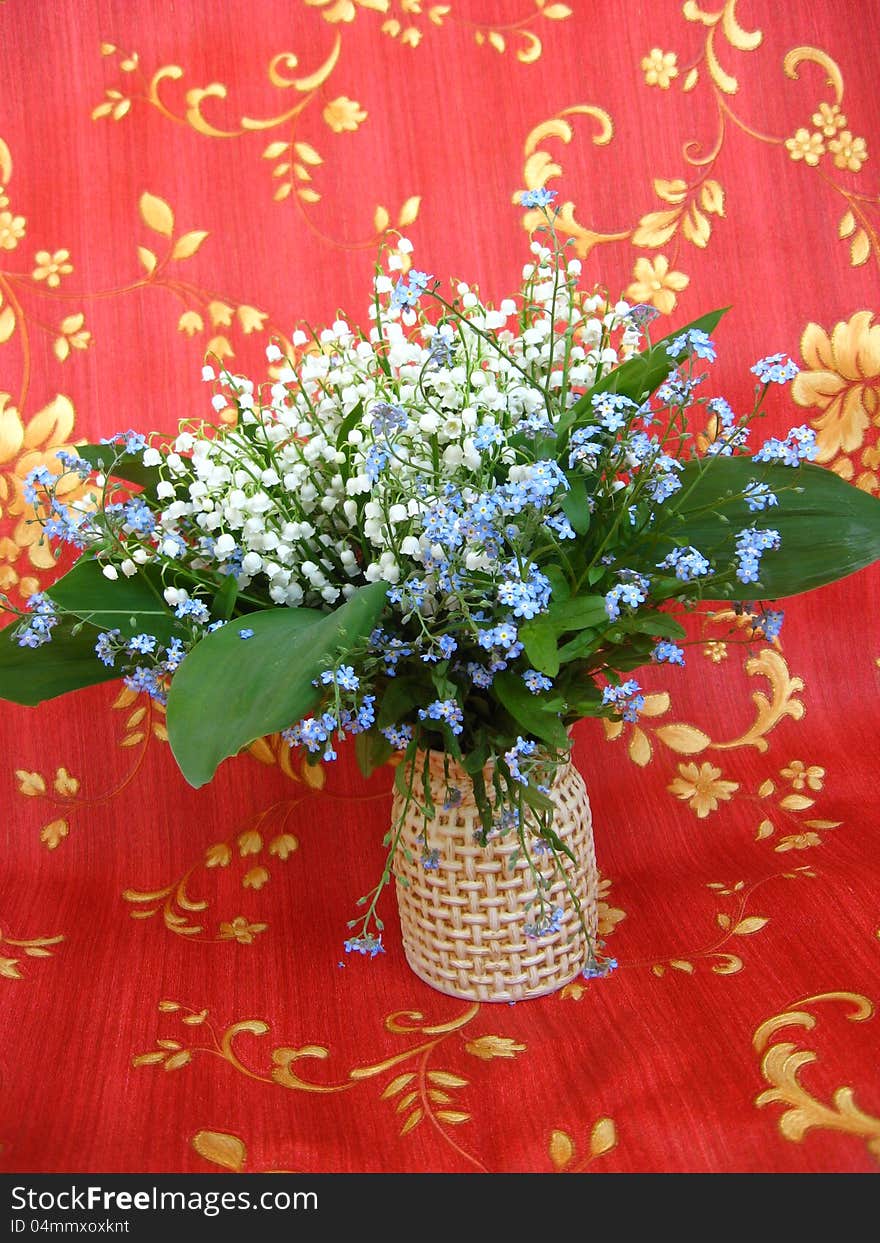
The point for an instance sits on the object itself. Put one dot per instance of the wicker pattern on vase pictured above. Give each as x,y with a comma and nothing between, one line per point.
464,922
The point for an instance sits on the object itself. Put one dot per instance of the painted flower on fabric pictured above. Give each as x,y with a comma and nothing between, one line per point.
829,119
23,447
487,1047
240,930
653,283
660,68
609,916
51,267
702,788
806,146
344,114
12,230
801,775
798,841
840,380
849,153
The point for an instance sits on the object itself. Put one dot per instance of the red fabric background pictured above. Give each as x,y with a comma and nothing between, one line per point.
746,931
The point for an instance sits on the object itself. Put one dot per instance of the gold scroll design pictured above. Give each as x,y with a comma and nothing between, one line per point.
690,205
15,947
716,953
28,441
780,701
783,1062
143,721
256,847
414,1088
294,160
401,22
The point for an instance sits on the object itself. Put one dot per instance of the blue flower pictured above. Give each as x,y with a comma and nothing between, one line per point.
430,860
751,544
194,609
560,525
769,623
106,648
536,682
632,592
687,563
367,944
521,749
448,711
246,633
798,446
626,699
694,341
387,419
144,643
36,630
758,496
397,735
537,198
775,369
668,653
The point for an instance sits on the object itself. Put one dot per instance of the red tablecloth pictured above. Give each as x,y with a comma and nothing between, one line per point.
174,992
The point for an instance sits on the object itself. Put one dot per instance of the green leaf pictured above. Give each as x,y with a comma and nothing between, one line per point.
371,750
639,376
131,605
400,697
67,663
223,604
652,624
229,692
580,646
539,638
577,613
575,505
530,711
126,466
829,528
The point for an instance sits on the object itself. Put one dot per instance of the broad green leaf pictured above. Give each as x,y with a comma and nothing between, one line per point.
67,663
577,613
127,466
371,750
530,711
575,505
401,695
230,691
652,624
539,639
580,646
223,604
130,605
829,528
641,375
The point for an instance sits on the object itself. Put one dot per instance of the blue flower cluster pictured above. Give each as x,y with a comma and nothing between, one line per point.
751,544
626,699
38,626
775,369
447,711
632,592
687,563
798,446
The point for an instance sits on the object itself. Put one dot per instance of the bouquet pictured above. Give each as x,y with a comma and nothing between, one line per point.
459,530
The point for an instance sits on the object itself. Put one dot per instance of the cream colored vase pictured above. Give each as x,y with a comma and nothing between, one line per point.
464,921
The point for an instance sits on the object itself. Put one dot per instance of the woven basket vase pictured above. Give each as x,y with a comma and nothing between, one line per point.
464,922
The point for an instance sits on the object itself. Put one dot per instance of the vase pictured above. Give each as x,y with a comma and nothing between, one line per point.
466,920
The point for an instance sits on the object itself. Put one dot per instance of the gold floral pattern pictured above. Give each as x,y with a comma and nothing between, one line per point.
35,947
840,385
783,1062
